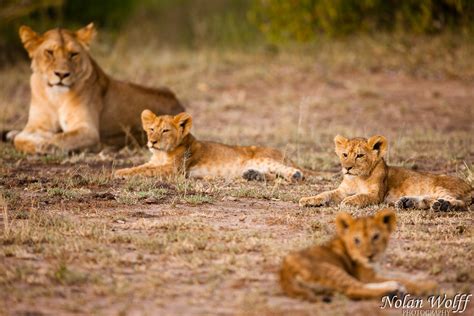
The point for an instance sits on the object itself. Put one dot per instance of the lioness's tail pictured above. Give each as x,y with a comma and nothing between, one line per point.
3,134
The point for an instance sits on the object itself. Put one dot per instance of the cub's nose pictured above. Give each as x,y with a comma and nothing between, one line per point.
348,168
62,75
153,142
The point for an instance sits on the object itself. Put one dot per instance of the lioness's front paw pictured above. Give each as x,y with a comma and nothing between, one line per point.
47,147
312,201
352,201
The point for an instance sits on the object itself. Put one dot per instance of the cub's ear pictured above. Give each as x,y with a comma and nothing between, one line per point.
86,34
379,144
30,39
388,218
184,121
343,221
147,118
340,141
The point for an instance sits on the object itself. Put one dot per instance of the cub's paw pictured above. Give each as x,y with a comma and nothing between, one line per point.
122,173
387,287
427,287
312,201
297,176
442,206
253,175
405,203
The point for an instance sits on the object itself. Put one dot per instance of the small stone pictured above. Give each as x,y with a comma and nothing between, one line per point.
151,200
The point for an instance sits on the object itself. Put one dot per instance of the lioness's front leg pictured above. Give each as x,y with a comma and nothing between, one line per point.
322,199
361,200
37,133
79,138
147,170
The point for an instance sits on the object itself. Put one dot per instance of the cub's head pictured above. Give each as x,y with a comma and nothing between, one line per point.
59,56
358,156
165,132
366,238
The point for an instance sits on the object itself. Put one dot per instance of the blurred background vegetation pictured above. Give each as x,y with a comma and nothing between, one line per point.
232,23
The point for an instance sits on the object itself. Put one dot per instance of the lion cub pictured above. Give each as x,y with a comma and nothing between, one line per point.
345,263
368,180
176,150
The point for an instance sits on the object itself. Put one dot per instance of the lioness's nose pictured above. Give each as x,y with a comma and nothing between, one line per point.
62,75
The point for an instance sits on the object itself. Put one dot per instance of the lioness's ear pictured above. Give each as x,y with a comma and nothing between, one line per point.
184,121
147,118
343,221
379,144
30,39
388,218
86,34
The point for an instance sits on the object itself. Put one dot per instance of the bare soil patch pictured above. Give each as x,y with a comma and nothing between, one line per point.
73,240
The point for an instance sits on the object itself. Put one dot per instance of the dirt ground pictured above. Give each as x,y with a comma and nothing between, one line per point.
74,240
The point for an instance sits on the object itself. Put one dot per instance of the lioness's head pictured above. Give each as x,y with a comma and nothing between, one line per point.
60,56
165,132
358,156
366,238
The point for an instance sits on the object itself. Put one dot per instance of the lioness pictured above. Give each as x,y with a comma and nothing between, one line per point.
176,150
74,104
368,180
345,263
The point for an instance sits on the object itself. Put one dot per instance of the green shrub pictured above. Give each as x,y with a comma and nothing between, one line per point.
303,20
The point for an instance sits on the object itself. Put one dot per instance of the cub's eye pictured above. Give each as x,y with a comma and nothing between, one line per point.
356,241
360,155
73,54
344,155
152,129
166,130
375,237
48,52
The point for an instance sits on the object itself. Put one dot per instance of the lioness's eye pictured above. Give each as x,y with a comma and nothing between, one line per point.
356,241
360,155
73,54
375,237
345,155
49,52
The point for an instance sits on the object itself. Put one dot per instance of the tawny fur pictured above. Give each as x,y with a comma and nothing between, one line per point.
176,151
345,263
74,104
368,180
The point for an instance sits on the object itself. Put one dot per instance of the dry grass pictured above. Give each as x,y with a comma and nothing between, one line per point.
74,240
